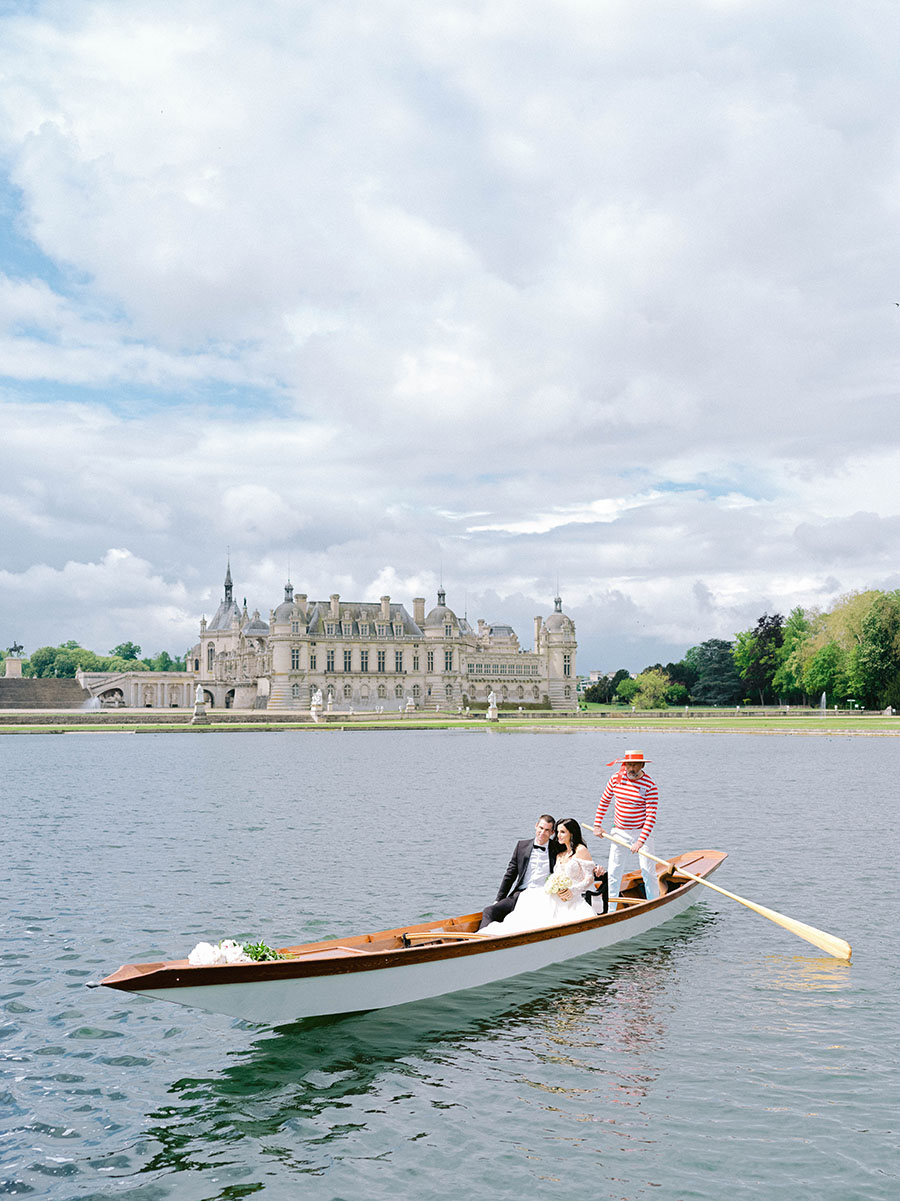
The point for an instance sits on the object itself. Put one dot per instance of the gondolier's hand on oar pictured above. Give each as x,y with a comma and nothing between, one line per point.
599,832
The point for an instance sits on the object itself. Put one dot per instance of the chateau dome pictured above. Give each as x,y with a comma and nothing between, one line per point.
440,614
285,610
558,622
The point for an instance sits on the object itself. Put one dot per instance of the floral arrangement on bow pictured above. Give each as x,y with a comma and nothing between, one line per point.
557,883
205,954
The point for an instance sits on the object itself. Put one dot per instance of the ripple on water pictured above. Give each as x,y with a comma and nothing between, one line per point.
720,1058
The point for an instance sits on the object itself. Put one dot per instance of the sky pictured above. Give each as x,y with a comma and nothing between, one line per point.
515,296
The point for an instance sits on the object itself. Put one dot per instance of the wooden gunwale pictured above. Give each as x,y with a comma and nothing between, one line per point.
319,959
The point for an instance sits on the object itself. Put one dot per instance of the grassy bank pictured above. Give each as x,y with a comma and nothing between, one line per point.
799,722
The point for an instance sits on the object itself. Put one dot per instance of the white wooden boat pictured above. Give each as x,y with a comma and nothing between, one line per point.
410,963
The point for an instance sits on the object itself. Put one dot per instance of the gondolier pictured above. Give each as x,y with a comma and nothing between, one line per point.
635,798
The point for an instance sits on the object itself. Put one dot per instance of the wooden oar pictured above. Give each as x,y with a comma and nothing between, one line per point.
829,943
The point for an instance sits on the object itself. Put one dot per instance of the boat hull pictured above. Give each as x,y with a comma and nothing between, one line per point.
330,978
279,1001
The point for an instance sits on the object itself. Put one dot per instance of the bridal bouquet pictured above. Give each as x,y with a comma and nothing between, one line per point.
557,883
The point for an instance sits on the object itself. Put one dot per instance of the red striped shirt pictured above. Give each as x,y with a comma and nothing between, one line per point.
635,804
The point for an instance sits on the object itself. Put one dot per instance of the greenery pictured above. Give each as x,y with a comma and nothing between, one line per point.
850,653
66,660
261,952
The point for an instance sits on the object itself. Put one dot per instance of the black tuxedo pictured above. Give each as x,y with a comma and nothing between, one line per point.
513,881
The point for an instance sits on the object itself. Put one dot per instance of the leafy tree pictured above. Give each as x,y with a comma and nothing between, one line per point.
875,662
826,672
718,682
126,650
788,678
652,686
677,694
757,654
626,690
682,673
603,691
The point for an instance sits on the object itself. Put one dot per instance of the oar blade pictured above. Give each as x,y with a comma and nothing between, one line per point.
829,943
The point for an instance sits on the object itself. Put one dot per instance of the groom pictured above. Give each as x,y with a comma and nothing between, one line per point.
532,862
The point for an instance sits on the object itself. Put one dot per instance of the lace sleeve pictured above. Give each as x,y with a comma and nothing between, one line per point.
581,873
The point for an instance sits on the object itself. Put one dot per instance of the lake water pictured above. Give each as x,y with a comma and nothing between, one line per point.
719,1057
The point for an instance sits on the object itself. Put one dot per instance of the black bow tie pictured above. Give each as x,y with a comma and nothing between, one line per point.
538,847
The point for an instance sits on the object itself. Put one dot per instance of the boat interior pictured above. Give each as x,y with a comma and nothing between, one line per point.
461,929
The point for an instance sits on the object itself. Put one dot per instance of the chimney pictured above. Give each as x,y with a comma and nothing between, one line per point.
335,604
386,608
300,602
419,610
537,632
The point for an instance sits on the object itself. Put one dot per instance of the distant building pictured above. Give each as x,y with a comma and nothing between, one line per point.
361,655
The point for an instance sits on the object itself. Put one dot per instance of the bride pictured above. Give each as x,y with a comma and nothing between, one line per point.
555,903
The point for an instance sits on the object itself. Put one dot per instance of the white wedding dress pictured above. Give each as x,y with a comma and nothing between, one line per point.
536,908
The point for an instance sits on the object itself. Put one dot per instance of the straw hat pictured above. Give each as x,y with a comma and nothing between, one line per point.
631,757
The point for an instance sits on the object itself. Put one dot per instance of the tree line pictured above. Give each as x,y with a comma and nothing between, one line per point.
65,660
850,654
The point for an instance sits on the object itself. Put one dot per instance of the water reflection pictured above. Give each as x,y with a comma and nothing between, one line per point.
807,974
585,1038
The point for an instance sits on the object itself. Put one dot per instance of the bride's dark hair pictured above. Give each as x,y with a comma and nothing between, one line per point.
575,830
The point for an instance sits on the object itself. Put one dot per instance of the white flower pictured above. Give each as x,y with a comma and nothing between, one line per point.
231,951
203,954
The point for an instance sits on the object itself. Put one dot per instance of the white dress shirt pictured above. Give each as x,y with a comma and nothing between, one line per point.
538,867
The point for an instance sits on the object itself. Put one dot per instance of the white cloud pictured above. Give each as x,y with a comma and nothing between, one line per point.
602,291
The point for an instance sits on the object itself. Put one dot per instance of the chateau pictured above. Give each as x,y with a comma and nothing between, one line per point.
363,656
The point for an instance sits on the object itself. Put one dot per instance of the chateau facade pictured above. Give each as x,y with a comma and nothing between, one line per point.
363,656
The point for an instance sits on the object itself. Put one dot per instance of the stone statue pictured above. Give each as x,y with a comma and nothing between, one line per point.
198,695
317,699
492,699
15,650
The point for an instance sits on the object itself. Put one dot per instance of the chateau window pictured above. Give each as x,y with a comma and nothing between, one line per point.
348,692
382,630
347,628
398,660
448,692
330,628
348,660
381,655
382,691
567,665
503,669
210,656
417,692
430,660
520,693
495,669
398,631
448,630
329,660
536,692
415,662
295,658
363,660
295,691
398,692
568,691
448,660
312,661
364,629
331,692
295,627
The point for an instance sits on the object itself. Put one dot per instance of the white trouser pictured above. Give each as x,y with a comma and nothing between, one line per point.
622,858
